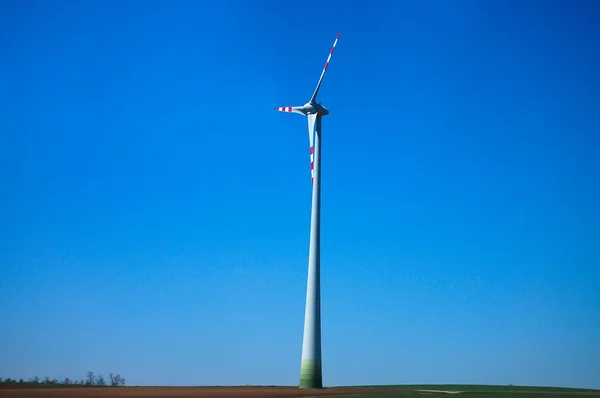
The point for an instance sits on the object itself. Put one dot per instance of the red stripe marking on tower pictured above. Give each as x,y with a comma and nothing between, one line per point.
312,165
311,150
289,108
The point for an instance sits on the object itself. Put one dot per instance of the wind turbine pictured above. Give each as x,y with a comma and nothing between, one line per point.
310,367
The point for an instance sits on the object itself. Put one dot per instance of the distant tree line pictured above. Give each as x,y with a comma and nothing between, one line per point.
91,380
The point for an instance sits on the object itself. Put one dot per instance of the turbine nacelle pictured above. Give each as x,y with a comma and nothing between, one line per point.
312,108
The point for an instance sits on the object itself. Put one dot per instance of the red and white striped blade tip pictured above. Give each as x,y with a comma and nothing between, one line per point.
284,109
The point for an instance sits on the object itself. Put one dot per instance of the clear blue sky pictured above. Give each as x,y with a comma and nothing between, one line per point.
155,207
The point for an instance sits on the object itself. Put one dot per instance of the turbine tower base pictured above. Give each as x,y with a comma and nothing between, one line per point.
310,374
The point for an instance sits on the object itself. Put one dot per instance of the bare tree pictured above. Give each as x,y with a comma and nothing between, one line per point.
117,381
100,380
91,379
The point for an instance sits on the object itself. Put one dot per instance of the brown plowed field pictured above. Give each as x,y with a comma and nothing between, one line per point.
185,392
230,392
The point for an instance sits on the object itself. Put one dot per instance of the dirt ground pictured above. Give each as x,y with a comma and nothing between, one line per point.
223,392
184,392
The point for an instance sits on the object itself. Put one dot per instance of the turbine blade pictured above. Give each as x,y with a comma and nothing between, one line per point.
311,137
293,109
313,99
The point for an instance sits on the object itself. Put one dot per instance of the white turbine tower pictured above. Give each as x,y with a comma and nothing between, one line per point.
310,367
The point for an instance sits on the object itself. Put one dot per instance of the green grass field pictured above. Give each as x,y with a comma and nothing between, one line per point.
476,387
470,395
475,391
